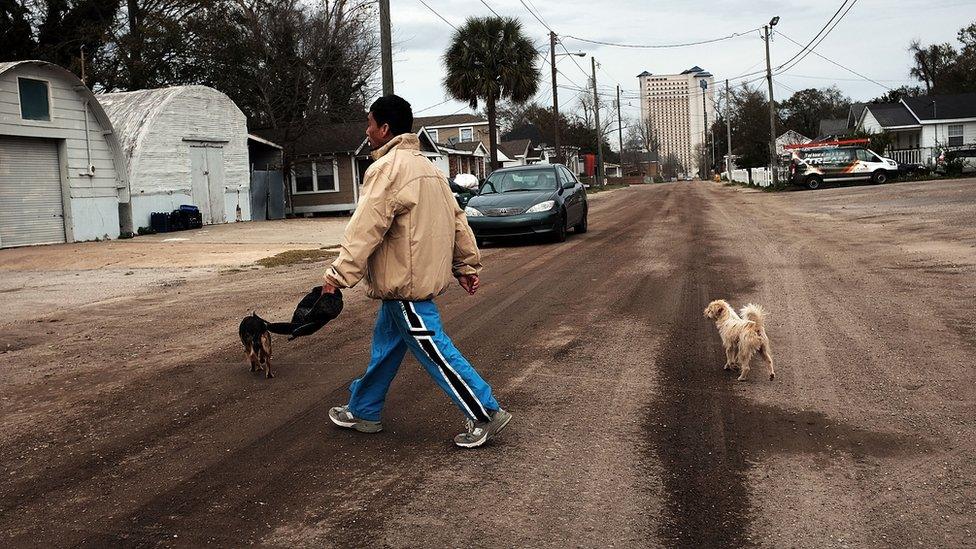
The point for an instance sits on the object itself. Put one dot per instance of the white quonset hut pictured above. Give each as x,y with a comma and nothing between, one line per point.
62,174
183,145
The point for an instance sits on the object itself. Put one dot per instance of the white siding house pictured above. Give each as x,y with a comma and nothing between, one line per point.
62,174
183,145
921,127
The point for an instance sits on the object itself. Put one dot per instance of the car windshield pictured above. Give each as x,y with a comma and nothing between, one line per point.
542,179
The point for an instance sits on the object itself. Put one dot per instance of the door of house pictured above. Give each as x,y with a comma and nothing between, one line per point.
207,181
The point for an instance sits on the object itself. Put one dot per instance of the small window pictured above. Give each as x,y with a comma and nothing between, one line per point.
955,135
433,135
467,134
34,104
304,178
325,176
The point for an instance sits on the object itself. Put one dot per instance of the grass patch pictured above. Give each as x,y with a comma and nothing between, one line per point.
293,257
611,187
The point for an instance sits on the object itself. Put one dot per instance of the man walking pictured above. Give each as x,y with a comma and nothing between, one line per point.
408,238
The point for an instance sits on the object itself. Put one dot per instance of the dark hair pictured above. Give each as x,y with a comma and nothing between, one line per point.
395,111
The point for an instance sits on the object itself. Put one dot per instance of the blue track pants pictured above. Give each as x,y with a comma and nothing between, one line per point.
416,325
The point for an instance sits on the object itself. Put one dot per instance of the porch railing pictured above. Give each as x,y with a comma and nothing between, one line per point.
925,155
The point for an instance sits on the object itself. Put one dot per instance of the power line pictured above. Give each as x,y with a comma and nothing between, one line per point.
852,71
537,18
490,8
662,46
822,38
821,31
437,14
782,85
837,78
433,106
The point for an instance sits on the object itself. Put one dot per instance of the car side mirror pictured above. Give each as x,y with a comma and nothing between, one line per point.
569,184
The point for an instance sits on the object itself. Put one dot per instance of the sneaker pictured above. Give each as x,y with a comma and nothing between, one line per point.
341,416
479,432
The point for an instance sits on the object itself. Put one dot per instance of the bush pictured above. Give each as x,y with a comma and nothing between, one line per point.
658,179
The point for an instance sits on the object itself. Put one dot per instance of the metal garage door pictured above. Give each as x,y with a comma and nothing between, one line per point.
31,211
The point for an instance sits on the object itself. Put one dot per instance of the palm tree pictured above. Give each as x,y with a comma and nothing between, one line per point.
489,59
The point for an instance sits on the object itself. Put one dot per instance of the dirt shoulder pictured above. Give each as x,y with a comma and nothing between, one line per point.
41,279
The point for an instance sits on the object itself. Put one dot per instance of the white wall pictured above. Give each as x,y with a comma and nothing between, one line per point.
94,198
938,134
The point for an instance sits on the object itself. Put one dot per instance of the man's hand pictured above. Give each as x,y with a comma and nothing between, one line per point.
328,289
470,283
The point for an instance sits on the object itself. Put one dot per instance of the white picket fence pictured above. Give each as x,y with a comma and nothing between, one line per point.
761,177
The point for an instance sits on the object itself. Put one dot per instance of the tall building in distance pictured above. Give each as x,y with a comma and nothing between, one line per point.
671,106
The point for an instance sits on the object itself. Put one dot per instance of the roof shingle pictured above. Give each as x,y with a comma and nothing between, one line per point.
943,107
892,114
446,120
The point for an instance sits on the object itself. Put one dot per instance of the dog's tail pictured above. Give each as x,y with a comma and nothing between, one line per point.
754,313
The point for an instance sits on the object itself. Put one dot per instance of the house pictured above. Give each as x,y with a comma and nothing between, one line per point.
62,172
467,157
457,137
832,128
325,166
539,151
183,145
790,137
454,128
640,163
544,154
516,152
921,127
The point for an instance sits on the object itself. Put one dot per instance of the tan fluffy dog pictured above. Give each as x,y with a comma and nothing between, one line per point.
743,336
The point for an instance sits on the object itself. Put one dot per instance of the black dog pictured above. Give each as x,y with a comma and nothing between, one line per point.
257,342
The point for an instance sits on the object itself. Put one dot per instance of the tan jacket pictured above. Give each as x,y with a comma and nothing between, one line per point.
408,238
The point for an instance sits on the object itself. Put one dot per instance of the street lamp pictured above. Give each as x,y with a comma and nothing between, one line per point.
773,21
555,94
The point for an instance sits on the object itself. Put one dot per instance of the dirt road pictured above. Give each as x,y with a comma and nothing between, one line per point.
134,422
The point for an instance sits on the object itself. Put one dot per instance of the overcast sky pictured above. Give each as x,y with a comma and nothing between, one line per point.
872,40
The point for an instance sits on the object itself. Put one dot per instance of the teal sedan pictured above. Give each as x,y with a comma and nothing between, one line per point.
541,199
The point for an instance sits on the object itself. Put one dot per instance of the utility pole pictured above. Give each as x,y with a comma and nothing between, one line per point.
704,88
386,46
599,131
620,125
555,97
728,130
711,133
772,104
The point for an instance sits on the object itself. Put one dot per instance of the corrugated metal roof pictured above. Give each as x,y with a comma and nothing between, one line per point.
133,113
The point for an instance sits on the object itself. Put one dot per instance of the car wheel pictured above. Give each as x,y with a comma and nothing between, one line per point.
879,177
560,234
582,226
814,182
